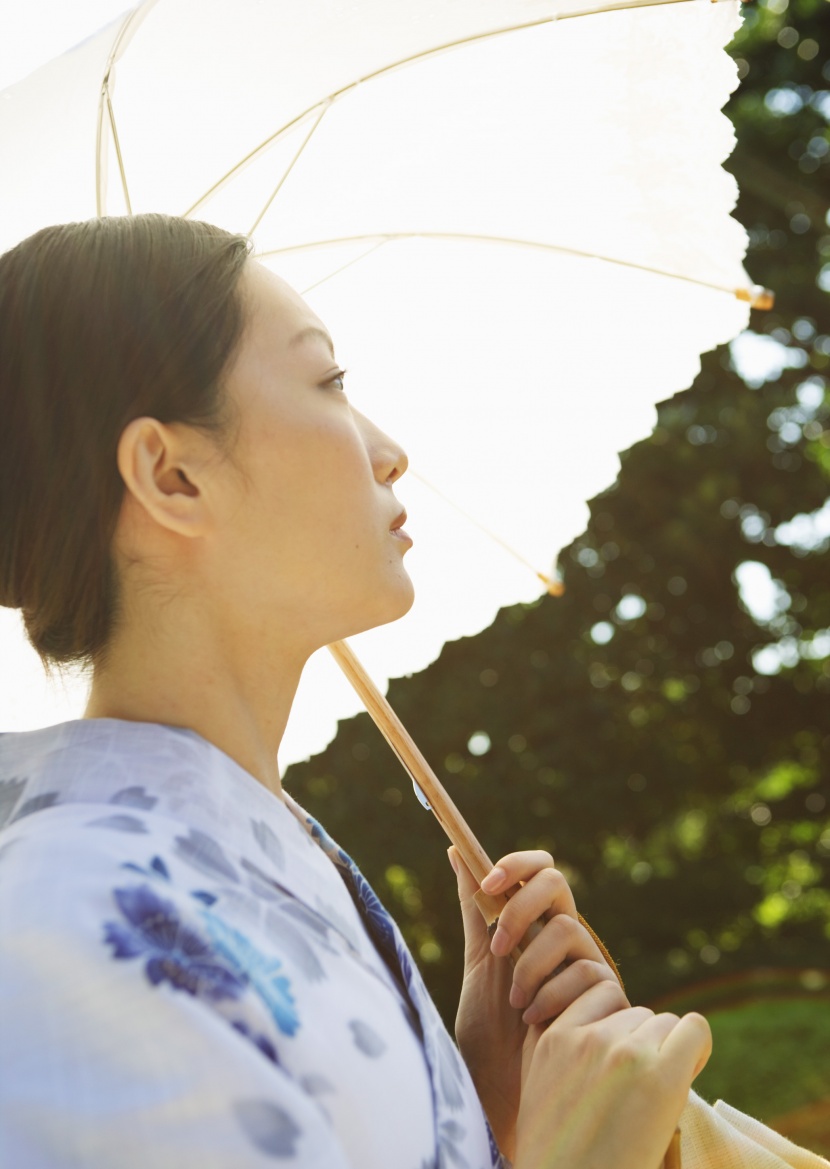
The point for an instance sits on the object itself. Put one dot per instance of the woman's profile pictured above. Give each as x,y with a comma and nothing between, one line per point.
192,972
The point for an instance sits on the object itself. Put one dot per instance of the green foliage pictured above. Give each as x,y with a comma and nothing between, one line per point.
672,752
789,1040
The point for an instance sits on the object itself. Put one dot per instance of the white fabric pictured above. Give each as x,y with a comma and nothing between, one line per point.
512,373
185,979
721,1137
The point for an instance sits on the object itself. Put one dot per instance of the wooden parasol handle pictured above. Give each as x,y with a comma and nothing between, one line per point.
449,817
447,814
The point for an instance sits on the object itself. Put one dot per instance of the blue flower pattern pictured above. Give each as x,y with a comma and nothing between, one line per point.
174,952
263,972
179,935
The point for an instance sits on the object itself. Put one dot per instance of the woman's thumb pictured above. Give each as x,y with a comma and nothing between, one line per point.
476,937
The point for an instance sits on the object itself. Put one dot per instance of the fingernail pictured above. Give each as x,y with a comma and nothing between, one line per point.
452,861
493,880
531,1015
500,943
518,998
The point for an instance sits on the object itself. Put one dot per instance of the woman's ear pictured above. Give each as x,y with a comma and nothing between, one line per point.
161,469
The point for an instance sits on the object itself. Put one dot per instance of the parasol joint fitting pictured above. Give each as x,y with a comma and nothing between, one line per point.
555,588
757,296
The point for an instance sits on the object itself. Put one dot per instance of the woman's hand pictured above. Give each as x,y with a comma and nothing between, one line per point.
499,1002
606,1087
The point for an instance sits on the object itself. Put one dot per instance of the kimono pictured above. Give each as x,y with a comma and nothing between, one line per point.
193,974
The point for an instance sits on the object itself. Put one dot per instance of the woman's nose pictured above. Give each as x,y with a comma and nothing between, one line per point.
389,459
398,461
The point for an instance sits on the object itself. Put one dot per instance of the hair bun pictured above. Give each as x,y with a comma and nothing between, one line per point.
100,322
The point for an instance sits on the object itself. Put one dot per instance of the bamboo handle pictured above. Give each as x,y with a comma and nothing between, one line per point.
447,814
672,1159
449,817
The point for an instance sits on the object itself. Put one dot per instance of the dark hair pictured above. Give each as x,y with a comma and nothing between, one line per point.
100,322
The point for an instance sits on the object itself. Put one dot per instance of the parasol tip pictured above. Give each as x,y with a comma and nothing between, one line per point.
555,587
758,296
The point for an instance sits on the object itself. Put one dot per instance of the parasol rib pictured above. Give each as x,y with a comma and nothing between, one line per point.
478,37
554,587
758,297
118,155
122,39
343,267
289,168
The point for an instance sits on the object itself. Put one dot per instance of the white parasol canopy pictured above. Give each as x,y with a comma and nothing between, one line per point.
511,214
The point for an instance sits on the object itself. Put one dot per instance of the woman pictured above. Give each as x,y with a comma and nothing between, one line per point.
193,973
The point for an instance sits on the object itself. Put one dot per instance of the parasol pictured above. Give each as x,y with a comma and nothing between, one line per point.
511,214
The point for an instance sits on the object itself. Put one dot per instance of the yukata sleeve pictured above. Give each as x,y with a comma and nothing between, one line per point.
104,1077
124,1040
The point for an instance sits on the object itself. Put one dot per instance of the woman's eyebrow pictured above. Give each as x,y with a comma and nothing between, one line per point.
313,331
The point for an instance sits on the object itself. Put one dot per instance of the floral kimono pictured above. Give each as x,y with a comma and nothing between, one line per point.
193,975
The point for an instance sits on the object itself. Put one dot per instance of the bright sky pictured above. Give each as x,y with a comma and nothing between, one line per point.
30,35
34,32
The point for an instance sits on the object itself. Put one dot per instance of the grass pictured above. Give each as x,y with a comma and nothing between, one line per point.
771,1057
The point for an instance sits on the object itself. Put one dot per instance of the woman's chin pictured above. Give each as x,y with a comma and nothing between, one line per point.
393,604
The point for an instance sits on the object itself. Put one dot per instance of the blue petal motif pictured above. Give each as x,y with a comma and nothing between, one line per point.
450,1075
293,945
175,952
204,853
316,1084
270,1128
10,792
264,1044
203,896
156,868
125,943
263,971
259,881
366,1039
307,917
450,1134
35,804
134,797
269,842
120,822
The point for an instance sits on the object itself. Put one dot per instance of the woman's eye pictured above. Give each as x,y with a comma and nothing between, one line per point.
338,381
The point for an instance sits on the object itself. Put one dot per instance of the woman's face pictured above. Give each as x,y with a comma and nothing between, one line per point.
308,529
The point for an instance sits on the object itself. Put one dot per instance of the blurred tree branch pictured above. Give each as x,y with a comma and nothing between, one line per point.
772,186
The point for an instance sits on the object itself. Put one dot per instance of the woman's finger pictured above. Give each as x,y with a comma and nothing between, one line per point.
687,1047
546,895
658,1028
598,1002
515,867
476,937
561,940
556,994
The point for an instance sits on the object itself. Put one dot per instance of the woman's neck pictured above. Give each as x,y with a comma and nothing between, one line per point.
174,666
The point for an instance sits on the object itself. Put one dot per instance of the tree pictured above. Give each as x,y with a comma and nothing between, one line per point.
663,728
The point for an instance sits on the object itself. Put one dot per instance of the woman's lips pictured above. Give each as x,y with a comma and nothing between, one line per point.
397,528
